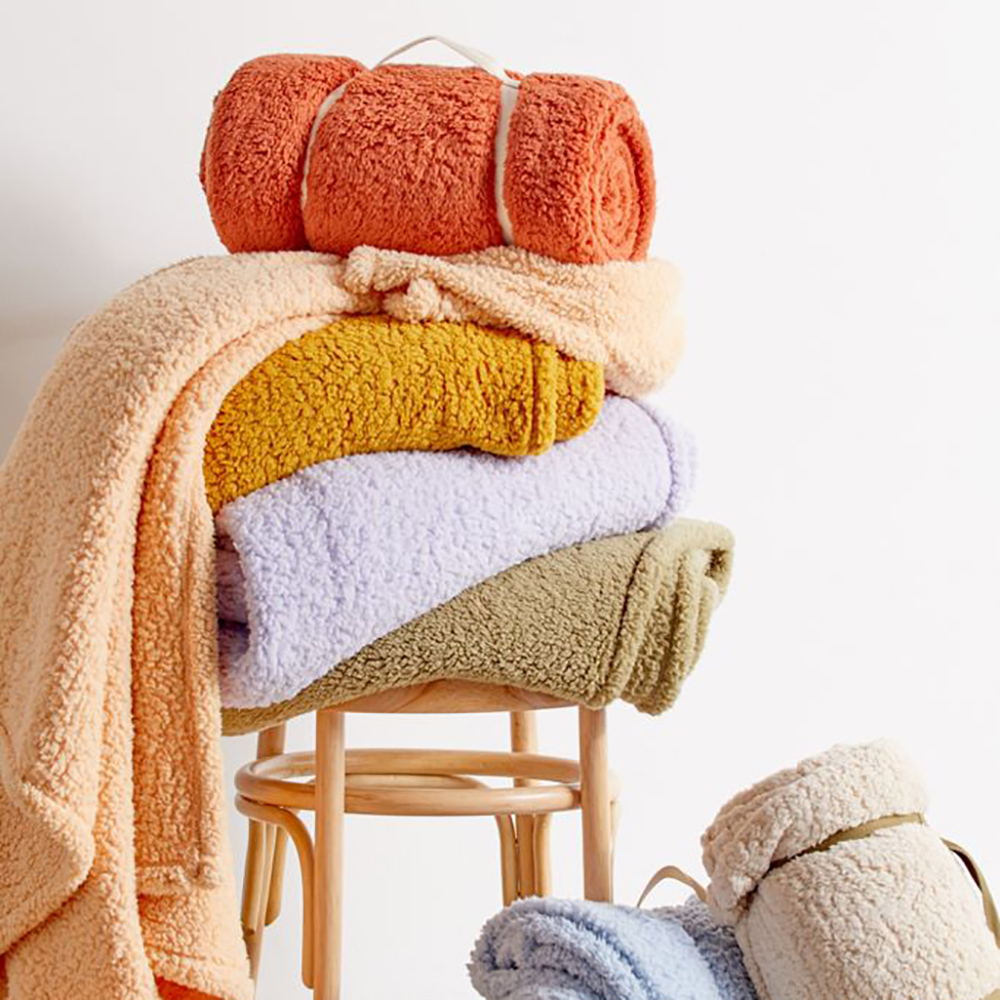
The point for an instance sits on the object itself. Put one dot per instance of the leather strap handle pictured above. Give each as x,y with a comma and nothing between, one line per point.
989,906
674,874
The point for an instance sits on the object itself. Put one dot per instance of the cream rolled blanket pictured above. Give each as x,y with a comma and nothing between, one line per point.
838,890
115,873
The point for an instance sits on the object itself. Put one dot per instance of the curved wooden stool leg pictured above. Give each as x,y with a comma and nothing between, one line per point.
277,884
262,878
270,743
253,891
286,820
595,806
331,783
543,863
524,739
508,858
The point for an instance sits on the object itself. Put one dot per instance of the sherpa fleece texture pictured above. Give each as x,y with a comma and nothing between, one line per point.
620,617
114,860
892,916
343,552
560,949
251,166
372,383
405,160
717,944
624,316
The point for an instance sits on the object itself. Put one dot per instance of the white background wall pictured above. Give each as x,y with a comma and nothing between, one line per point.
829,179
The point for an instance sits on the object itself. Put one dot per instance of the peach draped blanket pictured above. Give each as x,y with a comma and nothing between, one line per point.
114,863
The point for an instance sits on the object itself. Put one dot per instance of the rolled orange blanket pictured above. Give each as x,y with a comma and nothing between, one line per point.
404,158
251,165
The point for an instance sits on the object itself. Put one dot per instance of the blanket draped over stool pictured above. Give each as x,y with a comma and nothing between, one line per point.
113,855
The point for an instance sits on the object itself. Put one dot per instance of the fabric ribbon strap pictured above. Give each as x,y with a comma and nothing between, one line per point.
859,832
864,830
676,875
989,906
509,89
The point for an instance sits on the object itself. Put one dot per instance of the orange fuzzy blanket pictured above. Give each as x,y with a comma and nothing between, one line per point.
406,159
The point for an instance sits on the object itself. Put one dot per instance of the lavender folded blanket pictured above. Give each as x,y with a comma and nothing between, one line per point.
317,566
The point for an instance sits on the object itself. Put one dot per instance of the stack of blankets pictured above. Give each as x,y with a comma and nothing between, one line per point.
446,489
396,436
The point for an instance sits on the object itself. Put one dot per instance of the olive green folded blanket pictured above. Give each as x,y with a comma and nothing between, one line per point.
620,617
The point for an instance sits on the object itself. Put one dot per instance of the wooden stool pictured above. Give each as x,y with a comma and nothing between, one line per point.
270,792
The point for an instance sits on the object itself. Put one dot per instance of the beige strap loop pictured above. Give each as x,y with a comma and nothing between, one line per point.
481,59
989,907
859,832
677,875
509,90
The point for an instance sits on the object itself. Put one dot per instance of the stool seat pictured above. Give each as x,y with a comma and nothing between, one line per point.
453,697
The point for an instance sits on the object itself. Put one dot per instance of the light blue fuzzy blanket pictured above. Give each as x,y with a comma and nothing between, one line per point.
558,949
318,565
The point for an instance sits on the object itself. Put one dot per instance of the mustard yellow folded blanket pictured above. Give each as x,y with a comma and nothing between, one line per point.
373,383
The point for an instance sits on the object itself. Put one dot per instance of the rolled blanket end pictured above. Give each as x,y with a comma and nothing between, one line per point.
591,197
838,889
254,152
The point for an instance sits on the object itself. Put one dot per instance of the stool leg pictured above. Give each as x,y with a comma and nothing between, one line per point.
616,815
543,864
524,739
277,884
595,805
508,859
253,890
331,780
270,743
261,878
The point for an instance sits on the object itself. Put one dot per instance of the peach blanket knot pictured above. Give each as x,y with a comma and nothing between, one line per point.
624,316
